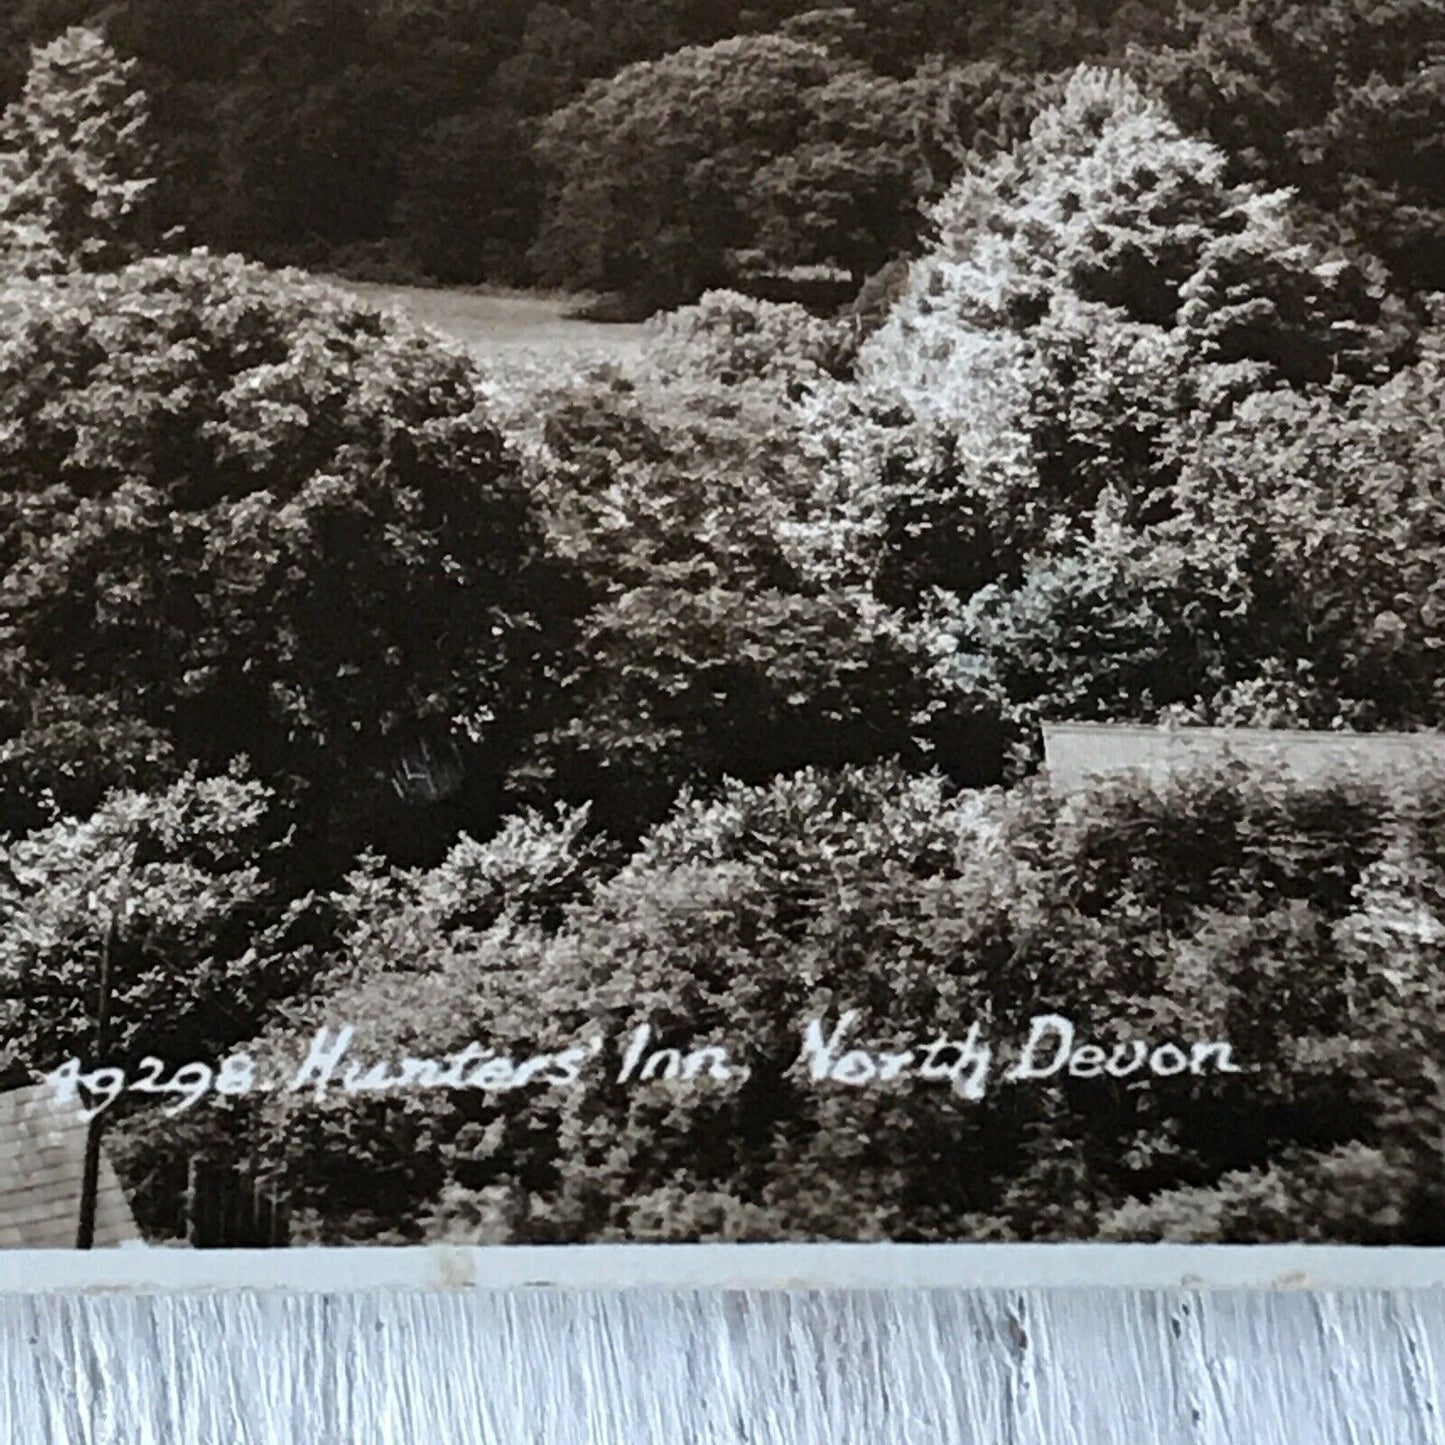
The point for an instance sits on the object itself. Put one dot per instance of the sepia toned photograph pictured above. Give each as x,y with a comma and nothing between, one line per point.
628,621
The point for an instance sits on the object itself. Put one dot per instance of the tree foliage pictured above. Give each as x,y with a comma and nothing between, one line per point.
759,152
1102,320
259,517
1303,925
181,889
348,682
1342,101
75,161
713,645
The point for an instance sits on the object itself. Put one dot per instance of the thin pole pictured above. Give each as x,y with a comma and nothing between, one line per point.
90,1177
193,1201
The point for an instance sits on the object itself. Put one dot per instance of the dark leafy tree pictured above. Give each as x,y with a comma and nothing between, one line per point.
757,153
256,516
1343,101
468,206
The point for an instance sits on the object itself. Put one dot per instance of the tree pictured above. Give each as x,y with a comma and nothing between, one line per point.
75,160
177,893
1100,310
259,517
1342,101
1034,37
1097,299
1109,221
681,174
1125,626
1287,578
1332,507
468,207
414,957
715,643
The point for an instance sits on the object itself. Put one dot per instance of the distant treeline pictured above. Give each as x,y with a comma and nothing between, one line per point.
664,146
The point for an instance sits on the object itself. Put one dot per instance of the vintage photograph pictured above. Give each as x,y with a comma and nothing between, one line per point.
677,621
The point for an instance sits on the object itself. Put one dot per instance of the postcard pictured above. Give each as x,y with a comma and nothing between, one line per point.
804,628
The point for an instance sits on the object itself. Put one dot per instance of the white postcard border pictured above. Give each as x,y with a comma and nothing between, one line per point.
349,1268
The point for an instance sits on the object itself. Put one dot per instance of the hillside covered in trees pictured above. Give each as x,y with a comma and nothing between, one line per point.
665,146
490,710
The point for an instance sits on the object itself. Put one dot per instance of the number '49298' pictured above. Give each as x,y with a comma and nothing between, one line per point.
91,1092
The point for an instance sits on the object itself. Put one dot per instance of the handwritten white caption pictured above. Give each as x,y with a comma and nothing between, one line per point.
968,1065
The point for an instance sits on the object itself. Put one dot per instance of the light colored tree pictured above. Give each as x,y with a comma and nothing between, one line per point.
75,161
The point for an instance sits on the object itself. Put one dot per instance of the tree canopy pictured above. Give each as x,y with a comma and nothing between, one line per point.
252,515
400,136
679,174
75,160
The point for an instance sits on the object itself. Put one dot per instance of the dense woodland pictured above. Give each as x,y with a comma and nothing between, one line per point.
664,146
345,677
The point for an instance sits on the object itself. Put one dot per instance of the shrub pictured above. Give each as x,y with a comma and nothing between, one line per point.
727,338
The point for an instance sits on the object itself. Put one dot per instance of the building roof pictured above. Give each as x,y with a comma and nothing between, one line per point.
1076,752
42,1162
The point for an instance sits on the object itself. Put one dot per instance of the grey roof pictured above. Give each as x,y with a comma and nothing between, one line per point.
1075,752
42,1161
